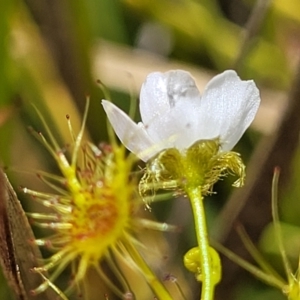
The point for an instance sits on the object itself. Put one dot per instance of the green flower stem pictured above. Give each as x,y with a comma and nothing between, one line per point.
158,288
196,200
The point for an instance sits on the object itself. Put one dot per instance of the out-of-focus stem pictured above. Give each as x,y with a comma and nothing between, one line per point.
157,287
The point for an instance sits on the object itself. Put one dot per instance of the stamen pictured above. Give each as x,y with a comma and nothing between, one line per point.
52,139
51,225
50,217
52,185
54,287
80,134
149,224
109,283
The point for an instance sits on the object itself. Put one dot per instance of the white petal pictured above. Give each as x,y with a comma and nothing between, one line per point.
162,91
167,106
153,97
133,136
228,107
175,129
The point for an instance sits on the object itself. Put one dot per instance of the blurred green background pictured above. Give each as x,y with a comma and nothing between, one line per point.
52,52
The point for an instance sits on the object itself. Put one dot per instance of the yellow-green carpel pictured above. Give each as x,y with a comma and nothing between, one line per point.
194,172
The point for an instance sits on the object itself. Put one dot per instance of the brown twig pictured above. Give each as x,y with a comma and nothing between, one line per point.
251,205
18,254
251,29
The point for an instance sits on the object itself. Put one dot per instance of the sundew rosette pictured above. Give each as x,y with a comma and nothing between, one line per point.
186,139
94,215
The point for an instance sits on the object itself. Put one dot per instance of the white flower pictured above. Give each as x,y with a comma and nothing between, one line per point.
175,115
